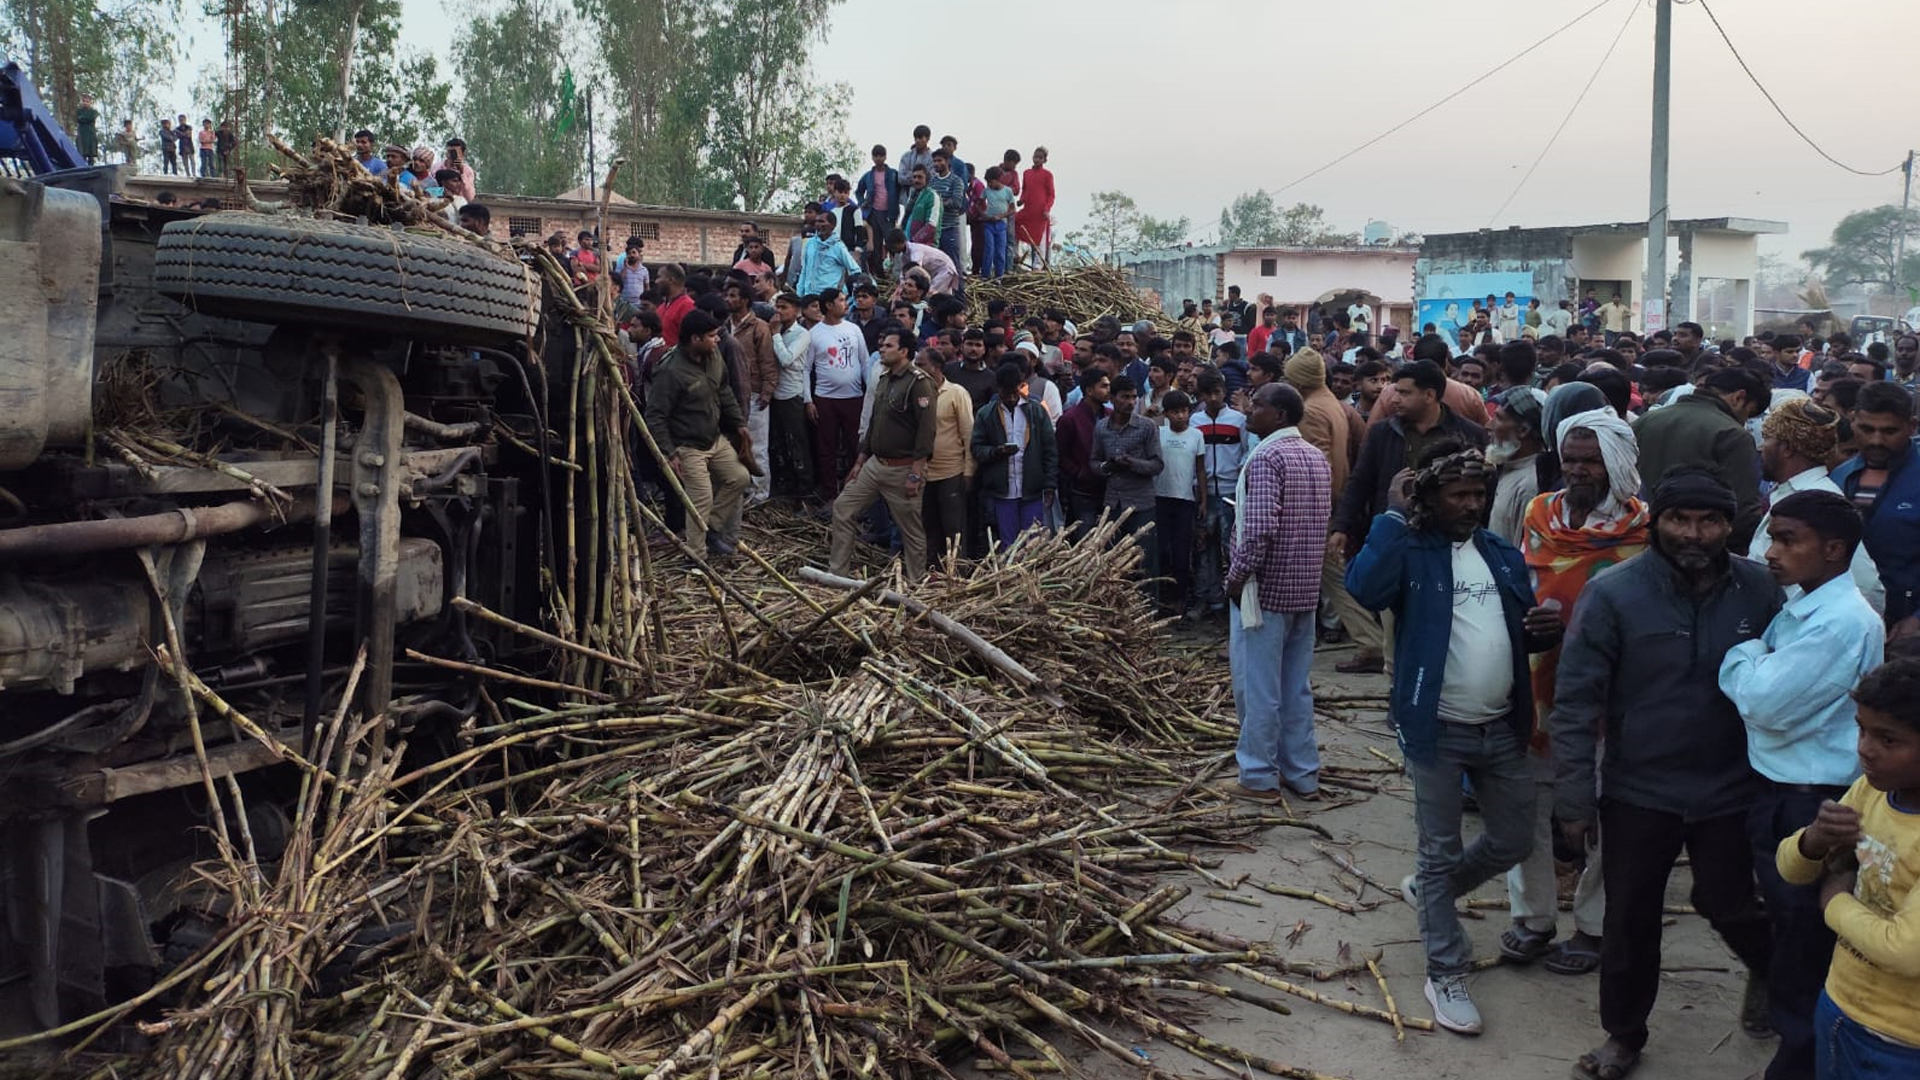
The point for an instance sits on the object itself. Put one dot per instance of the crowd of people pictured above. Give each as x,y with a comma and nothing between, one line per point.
1637,595
1642,593
1657,592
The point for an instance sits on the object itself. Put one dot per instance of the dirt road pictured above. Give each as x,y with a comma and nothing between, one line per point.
1537,1023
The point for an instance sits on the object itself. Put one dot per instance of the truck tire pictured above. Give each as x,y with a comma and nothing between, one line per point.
280,269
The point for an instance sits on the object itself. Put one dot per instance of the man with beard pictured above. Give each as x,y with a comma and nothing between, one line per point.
1906,359
1464,621
1595,521
1883,480
1799,438
1515,441
1636,687
1419,420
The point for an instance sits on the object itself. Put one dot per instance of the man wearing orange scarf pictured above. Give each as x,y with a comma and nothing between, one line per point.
1593,522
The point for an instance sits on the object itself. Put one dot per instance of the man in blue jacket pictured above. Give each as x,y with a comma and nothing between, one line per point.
1464,622
1883,480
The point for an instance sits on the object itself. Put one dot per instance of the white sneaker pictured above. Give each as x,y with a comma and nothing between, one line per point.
1410,890
1453,1007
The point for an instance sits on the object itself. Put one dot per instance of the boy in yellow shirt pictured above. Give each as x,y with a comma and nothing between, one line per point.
1865,852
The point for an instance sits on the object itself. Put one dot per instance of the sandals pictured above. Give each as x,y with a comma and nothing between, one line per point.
1574,957
1608,1061
1523,944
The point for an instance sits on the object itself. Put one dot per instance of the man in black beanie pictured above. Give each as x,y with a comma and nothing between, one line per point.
1638,682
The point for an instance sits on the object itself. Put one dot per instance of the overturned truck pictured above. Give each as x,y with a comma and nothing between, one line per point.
248,445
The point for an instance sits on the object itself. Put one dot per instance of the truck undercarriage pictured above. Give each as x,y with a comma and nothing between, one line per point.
247,445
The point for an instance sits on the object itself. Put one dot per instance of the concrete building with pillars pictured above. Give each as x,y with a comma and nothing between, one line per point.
672,234
1713,259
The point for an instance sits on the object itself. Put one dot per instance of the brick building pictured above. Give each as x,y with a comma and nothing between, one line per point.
672,233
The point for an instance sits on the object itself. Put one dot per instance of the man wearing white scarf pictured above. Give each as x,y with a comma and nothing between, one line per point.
1617,448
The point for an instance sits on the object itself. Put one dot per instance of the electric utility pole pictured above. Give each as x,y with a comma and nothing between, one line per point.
1653,305
1900,256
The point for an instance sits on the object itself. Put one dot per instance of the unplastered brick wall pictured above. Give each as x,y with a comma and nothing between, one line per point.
668,239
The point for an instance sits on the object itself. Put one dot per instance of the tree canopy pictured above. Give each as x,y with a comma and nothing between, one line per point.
523,150
1865,246
116,50
1254,219
713,102
1115,224
716,102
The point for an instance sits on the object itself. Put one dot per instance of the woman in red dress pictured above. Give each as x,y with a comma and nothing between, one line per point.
1030,223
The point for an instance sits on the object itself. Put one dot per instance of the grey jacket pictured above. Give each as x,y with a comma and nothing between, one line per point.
1642,663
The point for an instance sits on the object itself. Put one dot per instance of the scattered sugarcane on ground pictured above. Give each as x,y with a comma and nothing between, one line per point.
765,823
836,840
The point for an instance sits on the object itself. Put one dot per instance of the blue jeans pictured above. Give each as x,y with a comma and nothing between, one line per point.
1845,1050
1802,944
1273,700
1211,572
995,262
950,246
1448,869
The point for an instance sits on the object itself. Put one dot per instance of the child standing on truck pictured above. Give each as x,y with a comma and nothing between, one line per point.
206,137
1865,852
169,149
183,134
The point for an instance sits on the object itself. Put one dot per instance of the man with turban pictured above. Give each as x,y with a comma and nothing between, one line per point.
1645,745
1797,440
1595,521
1464,621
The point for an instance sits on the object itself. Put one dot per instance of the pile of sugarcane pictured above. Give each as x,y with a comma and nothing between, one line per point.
752,823
1085,292
329,180
862,872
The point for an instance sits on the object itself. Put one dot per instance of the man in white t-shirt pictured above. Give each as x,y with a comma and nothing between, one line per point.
1360,318
837,369
1465,620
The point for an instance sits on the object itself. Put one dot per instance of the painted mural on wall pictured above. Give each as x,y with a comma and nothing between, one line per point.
1447,301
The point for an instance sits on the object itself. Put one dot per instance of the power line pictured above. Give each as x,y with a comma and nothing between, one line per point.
1632,10
1804,137
1509,62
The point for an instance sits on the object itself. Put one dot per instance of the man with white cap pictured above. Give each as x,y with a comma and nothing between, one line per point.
1567,536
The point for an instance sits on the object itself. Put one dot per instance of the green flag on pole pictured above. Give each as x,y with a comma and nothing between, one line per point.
567,115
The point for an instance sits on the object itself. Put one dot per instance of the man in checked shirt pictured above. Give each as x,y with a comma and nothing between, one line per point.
1285,496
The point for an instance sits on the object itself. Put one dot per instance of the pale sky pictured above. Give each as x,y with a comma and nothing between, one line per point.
1183,104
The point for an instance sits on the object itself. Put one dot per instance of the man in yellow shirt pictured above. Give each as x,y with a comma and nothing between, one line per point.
1615,318
943,505
1865,852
